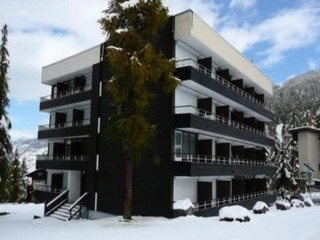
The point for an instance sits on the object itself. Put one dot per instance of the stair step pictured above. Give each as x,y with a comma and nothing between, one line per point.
54,215
67,207
62,213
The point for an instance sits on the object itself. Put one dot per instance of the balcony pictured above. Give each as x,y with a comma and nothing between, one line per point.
203,165
62,162
189,69
196,119
79,94
64,129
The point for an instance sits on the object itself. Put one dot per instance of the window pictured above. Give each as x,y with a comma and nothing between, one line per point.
185,144
178,144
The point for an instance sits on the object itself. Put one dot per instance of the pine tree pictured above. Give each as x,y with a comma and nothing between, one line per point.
5,125
132,29
286,159
15,178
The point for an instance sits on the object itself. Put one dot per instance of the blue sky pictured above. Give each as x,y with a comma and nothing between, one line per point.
281,37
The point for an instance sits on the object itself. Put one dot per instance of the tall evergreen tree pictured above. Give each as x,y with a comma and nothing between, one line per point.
5,125
132,29
15,178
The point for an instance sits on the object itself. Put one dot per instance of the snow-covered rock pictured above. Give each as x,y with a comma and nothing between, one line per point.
308,202
260,207
297,203
282,205
236,212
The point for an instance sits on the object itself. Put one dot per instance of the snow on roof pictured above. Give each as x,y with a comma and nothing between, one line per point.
305,128
184,204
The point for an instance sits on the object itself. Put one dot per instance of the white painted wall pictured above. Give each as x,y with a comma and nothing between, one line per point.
73,64
185,187
309,151
183,98
183,52
74,181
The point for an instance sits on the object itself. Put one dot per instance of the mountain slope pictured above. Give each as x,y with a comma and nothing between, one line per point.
28,149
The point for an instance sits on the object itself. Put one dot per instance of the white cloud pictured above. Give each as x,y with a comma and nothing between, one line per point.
207,10
41,32
242,4
287,30
313,65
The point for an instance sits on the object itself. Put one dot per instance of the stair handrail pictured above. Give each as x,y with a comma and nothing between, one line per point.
56,202
81,205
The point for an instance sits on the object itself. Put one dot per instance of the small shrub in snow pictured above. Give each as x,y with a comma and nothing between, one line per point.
260,207
308,202
282,205
297,203
234,213
183,207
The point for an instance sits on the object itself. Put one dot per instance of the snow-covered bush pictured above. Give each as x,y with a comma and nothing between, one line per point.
282,205
234,213
308,202
260,207
297,203
183,207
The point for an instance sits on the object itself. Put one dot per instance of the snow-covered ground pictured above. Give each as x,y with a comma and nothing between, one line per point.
297,223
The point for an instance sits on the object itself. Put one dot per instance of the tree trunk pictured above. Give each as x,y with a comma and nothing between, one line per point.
128,198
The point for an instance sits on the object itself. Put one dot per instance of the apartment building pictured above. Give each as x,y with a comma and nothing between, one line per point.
210,132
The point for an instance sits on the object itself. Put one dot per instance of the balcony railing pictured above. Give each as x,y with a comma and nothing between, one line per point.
66,93
47,188
79,123
234,199
61,157
217,118
221,160
190,62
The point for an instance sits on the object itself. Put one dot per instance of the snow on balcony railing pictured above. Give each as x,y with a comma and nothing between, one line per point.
221,160
66,93
234,199
79,123
60,157
190,62
217,118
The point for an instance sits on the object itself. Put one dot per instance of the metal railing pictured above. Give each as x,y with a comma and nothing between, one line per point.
78,157
234,199
56,203
48,188
217,118
66,93
221,160
78,123
190,62
81,202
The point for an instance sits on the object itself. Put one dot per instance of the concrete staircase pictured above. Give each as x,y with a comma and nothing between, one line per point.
62,212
